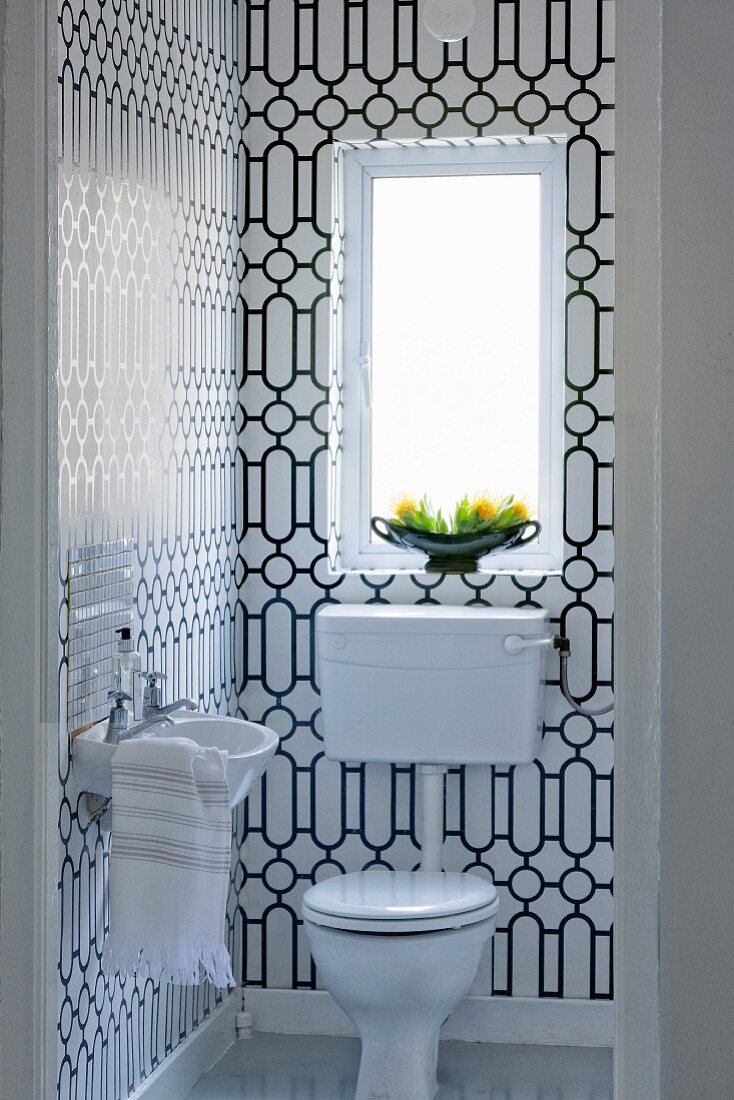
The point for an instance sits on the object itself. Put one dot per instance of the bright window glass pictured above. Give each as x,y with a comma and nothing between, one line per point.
455,336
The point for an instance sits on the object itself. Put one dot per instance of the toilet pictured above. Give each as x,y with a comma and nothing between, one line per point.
398,950
435,687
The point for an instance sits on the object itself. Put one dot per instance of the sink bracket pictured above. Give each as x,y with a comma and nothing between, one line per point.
97,807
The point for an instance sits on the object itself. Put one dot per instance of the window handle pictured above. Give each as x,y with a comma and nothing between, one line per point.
365,369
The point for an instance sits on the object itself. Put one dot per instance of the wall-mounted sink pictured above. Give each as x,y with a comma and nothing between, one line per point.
248,745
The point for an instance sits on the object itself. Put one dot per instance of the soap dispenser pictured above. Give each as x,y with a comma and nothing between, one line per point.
126,672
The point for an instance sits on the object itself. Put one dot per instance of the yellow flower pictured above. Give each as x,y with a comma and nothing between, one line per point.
402,504
485,506
521,511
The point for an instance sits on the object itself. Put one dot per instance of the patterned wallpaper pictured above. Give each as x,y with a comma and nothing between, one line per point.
151,180
356,71
195,217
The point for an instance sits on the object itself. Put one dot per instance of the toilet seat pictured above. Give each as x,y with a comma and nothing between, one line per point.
399,902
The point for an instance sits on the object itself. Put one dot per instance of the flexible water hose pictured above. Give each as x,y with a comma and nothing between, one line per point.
563,646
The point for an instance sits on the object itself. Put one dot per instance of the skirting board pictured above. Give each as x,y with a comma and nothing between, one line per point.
191,1059
477,1019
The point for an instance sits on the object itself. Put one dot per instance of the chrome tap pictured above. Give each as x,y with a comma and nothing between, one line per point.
117,722
179,704
152,692
149,723
117,725
153,698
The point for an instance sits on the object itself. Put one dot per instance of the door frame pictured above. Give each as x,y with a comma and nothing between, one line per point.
638,359
29,921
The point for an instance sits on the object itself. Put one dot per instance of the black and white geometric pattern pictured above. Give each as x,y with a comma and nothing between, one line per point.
195,217
151,178
363,71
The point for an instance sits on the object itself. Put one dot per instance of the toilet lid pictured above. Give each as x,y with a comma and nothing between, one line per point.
384,895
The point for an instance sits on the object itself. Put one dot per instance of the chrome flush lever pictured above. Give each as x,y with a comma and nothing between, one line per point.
515,644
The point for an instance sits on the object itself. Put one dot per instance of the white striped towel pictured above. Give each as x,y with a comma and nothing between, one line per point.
169,864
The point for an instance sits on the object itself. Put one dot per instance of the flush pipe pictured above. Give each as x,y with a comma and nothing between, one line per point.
514,644
432,800
563,646
433,775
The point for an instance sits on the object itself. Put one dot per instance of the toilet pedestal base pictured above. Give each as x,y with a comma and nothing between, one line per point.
398,990
398,1063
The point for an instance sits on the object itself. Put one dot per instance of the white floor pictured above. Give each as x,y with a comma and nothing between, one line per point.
307,1067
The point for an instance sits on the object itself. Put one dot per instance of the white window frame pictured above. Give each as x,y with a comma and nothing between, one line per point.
356,168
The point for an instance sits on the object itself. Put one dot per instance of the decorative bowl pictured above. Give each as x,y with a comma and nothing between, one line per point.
455,553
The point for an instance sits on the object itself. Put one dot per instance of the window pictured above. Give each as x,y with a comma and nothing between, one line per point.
451,287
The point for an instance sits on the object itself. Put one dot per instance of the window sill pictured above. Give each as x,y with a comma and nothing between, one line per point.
379,562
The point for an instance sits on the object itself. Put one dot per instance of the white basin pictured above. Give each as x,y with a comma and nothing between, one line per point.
249,746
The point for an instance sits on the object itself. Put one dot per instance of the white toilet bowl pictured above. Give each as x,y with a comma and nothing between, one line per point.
398,950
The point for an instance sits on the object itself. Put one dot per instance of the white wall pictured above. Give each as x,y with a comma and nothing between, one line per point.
697,853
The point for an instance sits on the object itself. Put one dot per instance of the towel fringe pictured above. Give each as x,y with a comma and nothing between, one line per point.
183,962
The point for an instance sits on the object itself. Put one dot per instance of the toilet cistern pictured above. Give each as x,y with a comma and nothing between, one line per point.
430,684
